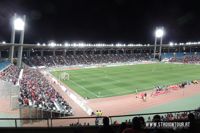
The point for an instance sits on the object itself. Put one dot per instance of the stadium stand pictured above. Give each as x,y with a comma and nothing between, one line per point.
36,91
186,59
83,59
10,74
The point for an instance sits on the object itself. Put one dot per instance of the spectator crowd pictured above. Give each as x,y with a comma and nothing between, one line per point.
187,59
36,91
138,124
86,59
10,74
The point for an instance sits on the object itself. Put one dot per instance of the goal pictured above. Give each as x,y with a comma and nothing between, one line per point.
64,76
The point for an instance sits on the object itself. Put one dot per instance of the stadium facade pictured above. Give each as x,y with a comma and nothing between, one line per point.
47,50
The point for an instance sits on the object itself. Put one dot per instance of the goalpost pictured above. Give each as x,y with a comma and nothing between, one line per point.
64,76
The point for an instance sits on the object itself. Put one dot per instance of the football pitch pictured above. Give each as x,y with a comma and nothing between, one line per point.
122,80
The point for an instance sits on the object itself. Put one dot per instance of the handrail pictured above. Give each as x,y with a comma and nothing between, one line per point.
27,106
88,117
50,124
154,113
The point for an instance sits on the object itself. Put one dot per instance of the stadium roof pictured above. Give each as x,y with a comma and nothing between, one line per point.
53,45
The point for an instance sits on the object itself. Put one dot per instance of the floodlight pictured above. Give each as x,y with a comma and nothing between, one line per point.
66,44
81,44
171,44
19,24
52,44
4,42
159,33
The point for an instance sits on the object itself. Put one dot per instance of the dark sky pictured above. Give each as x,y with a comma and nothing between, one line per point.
106,21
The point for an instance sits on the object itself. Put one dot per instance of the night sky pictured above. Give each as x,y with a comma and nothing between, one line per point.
102,21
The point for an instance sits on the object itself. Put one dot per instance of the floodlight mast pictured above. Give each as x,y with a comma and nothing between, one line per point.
20,49
12,40
19,25
155,44
158,34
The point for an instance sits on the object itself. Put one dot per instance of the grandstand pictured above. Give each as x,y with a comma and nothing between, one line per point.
30,93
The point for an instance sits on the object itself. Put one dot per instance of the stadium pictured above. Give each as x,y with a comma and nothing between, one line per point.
98,87
81,79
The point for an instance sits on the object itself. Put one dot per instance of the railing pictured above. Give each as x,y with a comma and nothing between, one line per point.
67,121
29,112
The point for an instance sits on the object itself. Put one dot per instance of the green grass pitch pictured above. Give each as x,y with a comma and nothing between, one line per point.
122,80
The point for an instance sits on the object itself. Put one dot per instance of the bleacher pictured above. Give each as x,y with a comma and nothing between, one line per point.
10,73
36,91
83,59
36,94
3,64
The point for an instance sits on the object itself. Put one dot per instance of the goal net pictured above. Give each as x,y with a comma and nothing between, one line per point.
64,76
